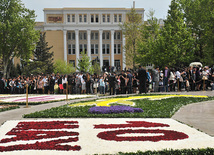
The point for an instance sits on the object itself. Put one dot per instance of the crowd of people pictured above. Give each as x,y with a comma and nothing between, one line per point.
124,82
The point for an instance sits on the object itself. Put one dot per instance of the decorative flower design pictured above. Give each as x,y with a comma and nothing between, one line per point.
114,109
27,131
127,100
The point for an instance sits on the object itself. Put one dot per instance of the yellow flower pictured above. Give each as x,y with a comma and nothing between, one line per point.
126,100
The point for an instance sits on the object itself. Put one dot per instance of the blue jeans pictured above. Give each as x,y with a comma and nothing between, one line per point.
165,84
102,90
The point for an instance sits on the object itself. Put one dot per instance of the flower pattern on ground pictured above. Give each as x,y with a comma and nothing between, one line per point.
161,135
92,136
40,131
126,100
114,109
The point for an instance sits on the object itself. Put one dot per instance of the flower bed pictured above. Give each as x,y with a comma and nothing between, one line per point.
96,136
127,100
164,108
8,107
38,98
113,109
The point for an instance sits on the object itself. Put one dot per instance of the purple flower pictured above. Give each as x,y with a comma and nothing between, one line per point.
113,109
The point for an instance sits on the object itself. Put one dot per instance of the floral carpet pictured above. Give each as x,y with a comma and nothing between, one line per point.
98,136
39,98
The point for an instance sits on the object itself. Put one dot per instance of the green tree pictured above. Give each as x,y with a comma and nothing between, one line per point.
17,33
131,30
174,45
42,61
62,67
199,16
149,33
84,64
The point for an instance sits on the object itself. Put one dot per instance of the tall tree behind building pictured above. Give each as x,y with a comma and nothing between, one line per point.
131,29
149,34
42,61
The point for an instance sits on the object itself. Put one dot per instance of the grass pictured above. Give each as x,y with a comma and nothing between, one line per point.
165,108
208,151
9,108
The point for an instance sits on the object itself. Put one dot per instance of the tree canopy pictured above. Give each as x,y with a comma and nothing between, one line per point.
17,33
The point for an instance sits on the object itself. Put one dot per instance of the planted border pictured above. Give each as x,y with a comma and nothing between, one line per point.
164,108
207,151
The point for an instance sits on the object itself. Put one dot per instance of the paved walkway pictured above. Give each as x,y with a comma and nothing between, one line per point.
198,115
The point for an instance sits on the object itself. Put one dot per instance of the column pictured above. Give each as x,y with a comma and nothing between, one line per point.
112,48
124,53
65,45
100,46
77,46
89,44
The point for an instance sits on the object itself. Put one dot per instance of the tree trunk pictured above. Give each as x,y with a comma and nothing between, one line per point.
5,64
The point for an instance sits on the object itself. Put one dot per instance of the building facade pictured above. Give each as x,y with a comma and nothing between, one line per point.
93,30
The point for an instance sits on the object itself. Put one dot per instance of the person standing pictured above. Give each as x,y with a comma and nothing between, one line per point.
112,82
166,73
102,85
2,85
130,82
142,76
122,82
156,78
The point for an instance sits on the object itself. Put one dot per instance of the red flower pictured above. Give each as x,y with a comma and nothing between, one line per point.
113,135
26,131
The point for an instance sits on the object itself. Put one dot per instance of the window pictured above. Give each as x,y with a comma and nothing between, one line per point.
104,36
108,18
115,48
69,35
118,48
80,35
108,48
117,63
73,18
97,18
85,48
81,48
92,18
73,49
85,18
104,49
92,48
115,18
118,36
72,62
85,36
96,36
120,18
107,35
96,48
115,36
92,36
69,48
104,18
80,18
69,18
73,36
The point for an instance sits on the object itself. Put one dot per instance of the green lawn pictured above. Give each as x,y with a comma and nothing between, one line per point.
208,151
9,108
164,108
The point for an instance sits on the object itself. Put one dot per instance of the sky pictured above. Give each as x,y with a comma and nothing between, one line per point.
159,6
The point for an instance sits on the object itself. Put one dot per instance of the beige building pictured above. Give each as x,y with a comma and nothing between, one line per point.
94,30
